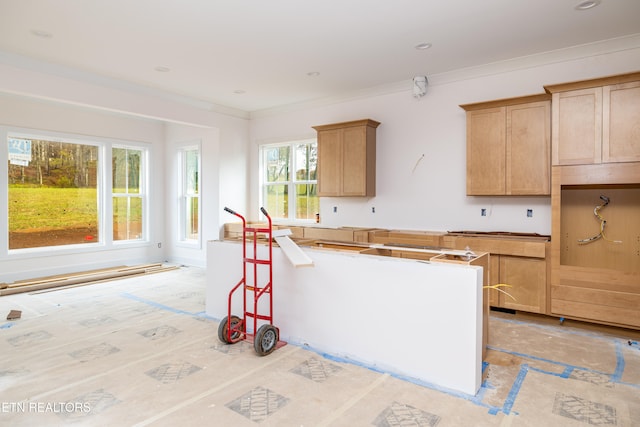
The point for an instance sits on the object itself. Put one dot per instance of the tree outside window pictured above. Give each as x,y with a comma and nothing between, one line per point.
289,183
127,193
53,193
190,194
57,196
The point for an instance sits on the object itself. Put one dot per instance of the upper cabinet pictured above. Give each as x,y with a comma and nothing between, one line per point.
347,158
508,146
596,121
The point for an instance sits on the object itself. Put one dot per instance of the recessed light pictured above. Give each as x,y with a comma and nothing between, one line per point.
42,34
587,4
239,91
423,46
313,74
162,69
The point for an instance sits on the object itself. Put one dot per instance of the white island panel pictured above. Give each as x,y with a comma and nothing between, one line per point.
411,318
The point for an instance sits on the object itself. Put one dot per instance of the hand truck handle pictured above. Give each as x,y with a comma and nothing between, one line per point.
264,212
232,212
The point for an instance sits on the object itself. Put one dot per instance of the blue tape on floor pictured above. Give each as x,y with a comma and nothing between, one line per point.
515,389
617,375
560,329
7,325
567,366
477,399
162,306
567,372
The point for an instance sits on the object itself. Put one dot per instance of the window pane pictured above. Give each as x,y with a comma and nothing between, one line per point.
189,190
119,170
53,197
276,200
306,161
127,218
126,170
277,164
191,171
191,218
306,201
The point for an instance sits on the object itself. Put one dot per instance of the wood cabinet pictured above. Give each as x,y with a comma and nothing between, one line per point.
528,281
597,281
347,158
596,154
508,146
521,262
596,121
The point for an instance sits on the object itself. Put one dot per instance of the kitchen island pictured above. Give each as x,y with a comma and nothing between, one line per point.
418,319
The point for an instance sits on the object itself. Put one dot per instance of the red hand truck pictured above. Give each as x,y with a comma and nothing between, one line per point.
233,329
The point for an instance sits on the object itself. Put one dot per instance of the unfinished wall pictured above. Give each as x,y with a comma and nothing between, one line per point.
223,183
18,113
421,151
96,106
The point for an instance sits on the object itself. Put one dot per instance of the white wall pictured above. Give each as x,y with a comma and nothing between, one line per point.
101,108
429,193
223,182
18,113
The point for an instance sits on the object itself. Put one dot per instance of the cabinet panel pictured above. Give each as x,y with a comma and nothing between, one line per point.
486,145
621,123
329,162
354,163
527,278
577,127
528,144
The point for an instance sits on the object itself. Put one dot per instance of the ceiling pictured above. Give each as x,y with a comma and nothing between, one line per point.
253,55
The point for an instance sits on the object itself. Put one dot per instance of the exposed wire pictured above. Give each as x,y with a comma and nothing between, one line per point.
603,222
498,288
417,163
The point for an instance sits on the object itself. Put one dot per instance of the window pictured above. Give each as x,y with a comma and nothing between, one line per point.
189,215
289,185
127,193
53,193
57,195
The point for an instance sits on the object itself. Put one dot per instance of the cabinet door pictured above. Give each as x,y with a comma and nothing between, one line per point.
528,149
621,123
354,161
577,127
486,152
527,277
329,162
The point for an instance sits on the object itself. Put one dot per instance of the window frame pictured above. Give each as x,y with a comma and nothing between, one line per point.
143,192
291,183
103,189
184,195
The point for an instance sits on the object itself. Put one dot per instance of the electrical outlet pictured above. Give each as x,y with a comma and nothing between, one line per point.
529,213
335,209
483,212
373,209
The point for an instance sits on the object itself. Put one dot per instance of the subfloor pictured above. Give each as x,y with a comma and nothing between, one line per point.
141,351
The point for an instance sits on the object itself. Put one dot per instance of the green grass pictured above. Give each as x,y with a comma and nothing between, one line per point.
43,208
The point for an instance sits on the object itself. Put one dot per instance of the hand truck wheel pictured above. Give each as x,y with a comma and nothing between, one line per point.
237,332
265,340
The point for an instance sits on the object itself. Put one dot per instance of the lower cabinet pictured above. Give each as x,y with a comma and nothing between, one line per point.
523,263
527,280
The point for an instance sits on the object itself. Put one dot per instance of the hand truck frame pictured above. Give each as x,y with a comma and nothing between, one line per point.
233,329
